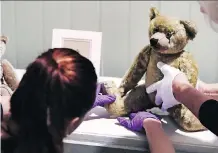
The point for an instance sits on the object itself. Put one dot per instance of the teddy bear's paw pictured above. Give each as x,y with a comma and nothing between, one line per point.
158,111
121,91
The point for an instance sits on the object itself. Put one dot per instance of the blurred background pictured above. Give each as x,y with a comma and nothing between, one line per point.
124,25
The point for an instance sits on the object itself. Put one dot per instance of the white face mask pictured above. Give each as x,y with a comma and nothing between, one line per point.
210,10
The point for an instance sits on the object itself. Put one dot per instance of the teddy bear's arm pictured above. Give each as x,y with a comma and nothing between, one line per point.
188,65
9,75
136,71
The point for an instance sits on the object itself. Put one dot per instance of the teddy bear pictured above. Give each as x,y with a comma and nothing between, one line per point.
168,38
9,79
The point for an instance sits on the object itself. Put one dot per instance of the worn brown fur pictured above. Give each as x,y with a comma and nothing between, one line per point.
168,37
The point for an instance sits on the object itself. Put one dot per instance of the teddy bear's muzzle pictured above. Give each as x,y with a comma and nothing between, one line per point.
159,42
153,42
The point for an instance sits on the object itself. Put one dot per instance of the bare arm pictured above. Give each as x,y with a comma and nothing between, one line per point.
212,88
157,139
193,98
208,89
137,70
201,105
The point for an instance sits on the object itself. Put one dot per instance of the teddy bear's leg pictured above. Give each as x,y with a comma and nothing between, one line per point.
135,100
185,118
181,114
116,108
9,75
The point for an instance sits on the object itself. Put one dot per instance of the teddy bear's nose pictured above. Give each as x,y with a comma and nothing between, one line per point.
153,41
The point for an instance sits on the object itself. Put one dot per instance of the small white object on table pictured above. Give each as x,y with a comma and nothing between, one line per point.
98,130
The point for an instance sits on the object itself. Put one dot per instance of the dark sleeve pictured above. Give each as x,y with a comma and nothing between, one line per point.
8,146
208,115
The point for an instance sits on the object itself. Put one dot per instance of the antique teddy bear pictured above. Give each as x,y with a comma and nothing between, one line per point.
168,38
9,79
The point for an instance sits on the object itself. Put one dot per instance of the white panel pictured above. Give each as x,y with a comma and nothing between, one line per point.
56,15
8,29
28,31
93,39
205,46
80,45
85,15
115,44
139,23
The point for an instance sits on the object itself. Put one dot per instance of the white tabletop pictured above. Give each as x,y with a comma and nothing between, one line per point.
98,130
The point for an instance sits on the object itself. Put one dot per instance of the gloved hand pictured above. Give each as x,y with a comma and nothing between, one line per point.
135,123
101,100
164,87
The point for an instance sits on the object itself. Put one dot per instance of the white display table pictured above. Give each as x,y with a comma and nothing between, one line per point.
99,134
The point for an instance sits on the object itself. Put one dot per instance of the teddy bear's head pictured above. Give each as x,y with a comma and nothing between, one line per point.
3,42
169,35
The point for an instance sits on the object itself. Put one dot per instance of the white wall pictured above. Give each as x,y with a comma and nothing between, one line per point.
124,25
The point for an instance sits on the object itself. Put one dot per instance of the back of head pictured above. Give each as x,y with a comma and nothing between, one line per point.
57,87
210,9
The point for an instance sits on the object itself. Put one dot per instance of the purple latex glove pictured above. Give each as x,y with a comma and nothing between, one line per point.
135,123
101,100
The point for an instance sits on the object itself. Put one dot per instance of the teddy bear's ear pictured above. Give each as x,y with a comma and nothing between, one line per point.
153,13
4,39
190,28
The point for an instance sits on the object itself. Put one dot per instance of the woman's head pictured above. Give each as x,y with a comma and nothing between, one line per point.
210,9
58,87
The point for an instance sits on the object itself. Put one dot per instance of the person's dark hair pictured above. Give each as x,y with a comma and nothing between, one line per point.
58,86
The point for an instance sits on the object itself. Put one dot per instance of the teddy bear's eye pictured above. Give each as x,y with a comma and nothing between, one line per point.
168,35
155,30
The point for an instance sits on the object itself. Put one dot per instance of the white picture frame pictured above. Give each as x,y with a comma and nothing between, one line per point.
88,43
